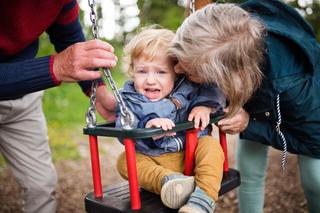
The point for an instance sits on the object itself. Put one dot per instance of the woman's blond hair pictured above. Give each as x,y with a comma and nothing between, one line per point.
223,44
147,43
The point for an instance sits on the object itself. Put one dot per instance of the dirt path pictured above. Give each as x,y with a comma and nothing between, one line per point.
283,190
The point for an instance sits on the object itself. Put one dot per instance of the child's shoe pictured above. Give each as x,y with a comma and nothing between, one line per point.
199,202
176,189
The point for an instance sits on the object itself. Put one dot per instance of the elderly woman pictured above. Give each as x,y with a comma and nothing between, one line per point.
265,58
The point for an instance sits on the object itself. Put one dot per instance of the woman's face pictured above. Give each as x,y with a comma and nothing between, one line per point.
180,69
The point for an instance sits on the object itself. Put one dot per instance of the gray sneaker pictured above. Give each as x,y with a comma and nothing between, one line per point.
176,189
199,202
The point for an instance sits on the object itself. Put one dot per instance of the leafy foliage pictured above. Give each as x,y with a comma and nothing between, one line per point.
311,12
166,13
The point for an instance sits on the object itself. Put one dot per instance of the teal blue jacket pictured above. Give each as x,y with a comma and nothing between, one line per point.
291,81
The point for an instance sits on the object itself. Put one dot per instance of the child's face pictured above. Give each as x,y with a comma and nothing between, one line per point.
154,79
179,69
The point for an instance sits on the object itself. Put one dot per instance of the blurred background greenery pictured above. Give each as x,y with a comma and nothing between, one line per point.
65,106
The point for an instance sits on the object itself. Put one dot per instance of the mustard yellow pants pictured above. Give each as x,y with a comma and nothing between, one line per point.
208,170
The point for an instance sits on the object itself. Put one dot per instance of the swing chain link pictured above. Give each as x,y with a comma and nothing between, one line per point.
93,18
127,117
91,118
192,6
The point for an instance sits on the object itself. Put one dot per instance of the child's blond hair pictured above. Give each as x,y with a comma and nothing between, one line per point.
223,44
147,43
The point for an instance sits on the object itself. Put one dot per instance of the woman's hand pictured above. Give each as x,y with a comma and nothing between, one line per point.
201,116
164,123
235,124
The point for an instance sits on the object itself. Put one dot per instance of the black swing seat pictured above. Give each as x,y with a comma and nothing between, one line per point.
116,198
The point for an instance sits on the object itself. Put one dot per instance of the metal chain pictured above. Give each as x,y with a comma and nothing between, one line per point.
127,118
91,113
192,6
284,141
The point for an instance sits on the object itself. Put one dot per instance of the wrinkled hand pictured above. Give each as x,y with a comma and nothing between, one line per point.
200,115
164,123
77,61
235,124
106,103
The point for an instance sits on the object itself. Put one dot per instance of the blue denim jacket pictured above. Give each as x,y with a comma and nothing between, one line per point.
176,107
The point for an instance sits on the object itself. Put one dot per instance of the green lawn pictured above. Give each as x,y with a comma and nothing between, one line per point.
65,108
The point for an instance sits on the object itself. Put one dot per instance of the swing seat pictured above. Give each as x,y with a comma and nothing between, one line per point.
126,196
116,198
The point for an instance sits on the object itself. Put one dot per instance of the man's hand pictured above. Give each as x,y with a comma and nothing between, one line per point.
106,103
235,124
77,62
164,123
200,115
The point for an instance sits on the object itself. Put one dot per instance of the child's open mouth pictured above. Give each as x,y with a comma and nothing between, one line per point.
152,93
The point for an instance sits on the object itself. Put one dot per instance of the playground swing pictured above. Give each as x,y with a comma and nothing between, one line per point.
127,196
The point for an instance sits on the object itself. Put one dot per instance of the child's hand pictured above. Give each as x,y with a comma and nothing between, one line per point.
164,123
200,114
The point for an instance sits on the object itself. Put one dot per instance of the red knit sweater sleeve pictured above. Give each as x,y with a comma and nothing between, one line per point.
20,71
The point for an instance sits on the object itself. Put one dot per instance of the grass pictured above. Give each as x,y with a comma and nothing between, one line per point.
64,108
